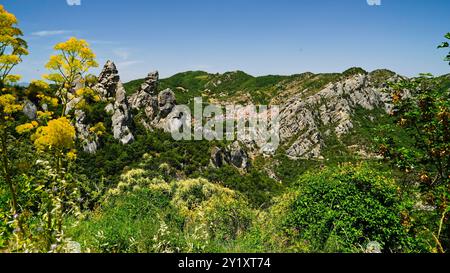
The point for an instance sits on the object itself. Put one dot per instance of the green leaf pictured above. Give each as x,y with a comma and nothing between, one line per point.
447,35
443,45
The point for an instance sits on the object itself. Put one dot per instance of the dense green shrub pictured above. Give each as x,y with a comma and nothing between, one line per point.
341,209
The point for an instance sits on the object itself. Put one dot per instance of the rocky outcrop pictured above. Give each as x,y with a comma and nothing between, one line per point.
166,103
238,156
233,155
111,90
121,119
89,141
145,99
155,109
218,157
30,110
304,122
107,81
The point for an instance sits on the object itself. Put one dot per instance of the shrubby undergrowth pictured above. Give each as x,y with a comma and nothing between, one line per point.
339,209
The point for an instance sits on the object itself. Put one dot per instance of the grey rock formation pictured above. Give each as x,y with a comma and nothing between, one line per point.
306,119
145,99
111,90
176,119
89,141
218,157
121,118
150,84
233,155
30,110
302,119
107,81
166,103
238,156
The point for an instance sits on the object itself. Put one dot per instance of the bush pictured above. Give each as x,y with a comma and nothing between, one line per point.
215,212
341,209
150,215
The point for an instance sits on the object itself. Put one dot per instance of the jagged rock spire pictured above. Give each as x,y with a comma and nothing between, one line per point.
150,84
108,80
111,89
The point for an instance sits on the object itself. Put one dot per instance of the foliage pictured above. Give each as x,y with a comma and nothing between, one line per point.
160,195
58,135
255,185
344,208
422,109
191,215
12,48
446,45
192,84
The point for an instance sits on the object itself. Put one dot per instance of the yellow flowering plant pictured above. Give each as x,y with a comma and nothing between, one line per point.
58,135
53,136
27,127
57,139
69,66
99,129
87,96
12,48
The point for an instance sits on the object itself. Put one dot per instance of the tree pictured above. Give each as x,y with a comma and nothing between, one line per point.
12,48
422,109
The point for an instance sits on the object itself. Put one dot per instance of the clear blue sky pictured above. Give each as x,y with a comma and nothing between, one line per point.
257,36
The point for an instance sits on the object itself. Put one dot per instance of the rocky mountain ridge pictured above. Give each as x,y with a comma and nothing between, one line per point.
305,121
313,107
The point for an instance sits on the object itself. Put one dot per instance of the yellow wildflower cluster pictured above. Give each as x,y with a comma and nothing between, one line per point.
57,78
78,46
40,84
48,100
6,18
27,127
44,115
75,58
12,78
99,129
9,59
81,104
9,105
11,43
87,93
59,134
72,154
37,87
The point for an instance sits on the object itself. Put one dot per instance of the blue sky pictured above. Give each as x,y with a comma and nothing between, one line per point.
257,36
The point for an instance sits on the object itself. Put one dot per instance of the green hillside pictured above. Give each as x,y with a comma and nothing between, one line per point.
240,87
